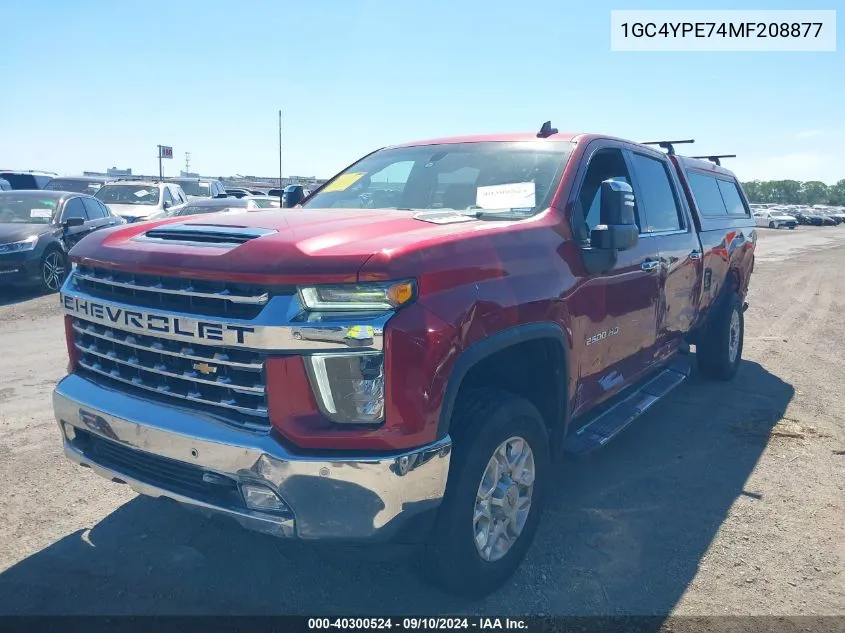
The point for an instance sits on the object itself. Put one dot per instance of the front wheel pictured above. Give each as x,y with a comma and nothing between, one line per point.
772,225
497,480
53,270
791,227
719,351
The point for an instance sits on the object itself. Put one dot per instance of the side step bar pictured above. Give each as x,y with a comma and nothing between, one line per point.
600,430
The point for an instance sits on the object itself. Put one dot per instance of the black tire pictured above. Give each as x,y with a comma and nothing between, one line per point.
53,270
713,351
483,420
791,228
772,225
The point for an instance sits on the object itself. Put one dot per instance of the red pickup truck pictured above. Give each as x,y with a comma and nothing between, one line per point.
402,355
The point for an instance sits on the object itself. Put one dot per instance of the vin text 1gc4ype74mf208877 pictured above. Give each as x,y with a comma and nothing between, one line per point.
402,355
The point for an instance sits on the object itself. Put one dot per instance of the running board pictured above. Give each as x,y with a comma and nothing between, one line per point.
608,424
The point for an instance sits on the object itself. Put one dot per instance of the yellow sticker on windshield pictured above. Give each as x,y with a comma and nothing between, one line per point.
343,182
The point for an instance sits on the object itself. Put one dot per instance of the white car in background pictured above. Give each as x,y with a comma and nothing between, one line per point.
262,202
138,200
774,219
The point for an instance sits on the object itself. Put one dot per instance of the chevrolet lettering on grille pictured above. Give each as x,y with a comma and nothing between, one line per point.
157,324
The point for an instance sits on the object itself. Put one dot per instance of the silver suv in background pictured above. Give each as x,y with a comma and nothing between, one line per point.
136,200
200,187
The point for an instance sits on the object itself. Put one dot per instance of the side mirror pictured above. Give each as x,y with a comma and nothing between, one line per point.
72,222
292,198
166,205
618,230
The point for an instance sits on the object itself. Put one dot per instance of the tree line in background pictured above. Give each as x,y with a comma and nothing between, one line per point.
795,192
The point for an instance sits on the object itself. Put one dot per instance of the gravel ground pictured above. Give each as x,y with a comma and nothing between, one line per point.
725,499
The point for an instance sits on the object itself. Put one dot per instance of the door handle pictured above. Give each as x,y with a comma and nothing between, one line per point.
696,254
650,265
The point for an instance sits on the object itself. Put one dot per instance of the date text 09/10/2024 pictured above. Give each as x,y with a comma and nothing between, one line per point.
416,624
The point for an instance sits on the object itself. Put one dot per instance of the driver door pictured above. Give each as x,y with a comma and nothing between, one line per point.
613,313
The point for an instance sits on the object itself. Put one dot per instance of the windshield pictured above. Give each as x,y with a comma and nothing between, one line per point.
460,176
73,184
192,188
26,210
129,194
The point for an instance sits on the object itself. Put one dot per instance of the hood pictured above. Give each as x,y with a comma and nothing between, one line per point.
134,210
290,246
17,232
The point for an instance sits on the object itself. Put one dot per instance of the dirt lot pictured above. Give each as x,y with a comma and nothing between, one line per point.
725,499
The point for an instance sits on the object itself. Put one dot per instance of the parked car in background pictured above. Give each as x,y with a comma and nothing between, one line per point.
262,202
238,192
200,187
809,219
37,228
774,219
839,214
27,179
79,184
138,199
211,205
4,185
828,220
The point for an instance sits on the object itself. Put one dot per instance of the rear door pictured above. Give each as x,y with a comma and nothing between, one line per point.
98,215
667,223
614,313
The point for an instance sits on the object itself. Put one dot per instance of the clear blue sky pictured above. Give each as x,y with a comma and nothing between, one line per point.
91,84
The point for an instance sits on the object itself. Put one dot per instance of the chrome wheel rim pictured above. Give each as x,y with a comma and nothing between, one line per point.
733,337
53,271
503,500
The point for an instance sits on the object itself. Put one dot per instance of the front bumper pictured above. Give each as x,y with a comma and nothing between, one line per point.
20,269
195,459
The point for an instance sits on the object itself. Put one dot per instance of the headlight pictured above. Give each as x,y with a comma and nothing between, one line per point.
365,296
350,387
16,247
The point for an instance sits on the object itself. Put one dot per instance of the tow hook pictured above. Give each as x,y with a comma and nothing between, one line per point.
745,306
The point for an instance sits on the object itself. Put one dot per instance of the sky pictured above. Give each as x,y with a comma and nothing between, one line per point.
91,84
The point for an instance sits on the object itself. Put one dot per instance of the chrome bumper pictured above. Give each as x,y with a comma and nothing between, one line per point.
350,498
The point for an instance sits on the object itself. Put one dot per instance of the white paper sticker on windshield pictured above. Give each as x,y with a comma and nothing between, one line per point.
41,213
518,194
142,193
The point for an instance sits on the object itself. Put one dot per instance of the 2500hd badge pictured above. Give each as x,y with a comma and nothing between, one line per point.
155,323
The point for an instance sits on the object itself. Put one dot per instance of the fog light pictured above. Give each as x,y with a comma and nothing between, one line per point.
349,387
258,497
70,432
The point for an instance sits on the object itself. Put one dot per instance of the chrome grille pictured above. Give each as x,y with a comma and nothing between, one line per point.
175,294
233,381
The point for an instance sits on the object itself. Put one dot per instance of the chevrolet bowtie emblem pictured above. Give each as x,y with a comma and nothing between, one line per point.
205,368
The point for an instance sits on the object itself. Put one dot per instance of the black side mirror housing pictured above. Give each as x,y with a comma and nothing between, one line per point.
292,197
71,222
618,230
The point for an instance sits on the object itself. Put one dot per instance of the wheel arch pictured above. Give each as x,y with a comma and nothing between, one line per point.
471,359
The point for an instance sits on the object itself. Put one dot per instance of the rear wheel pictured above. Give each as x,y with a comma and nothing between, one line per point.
772,225
53,270
719,352
497,480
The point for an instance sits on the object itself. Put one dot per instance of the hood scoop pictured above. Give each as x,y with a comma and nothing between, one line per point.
203,234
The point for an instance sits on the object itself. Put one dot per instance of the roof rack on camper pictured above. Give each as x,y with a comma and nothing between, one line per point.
669,146
715,158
